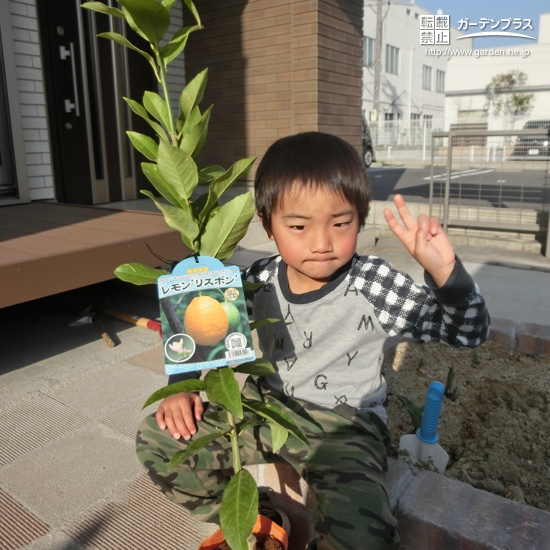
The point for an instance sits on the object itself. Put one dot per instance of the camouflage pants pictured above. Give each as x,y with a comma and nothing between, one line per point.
344,467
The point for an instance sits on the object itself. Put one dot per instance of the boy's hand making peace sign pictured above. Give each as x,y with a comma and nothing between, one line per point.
425,240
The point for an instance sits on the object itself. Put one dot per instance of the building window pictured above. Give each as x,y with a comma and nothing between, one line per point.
408,11
368,51
415,120
426,77
440,81
428,121
392,59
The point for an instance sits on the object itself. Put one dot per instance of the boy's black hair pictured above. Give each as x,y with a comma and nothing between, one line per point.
314,160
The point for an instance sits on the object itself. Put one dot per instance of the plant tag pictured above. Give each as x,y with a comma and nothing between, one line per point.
204,318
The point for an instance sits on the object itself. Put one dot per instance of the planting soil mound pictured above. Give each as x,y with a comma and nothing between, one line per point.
497,431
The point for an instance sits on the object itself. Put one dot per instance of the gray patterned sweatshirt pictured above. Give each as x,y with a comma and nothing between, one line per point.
328,347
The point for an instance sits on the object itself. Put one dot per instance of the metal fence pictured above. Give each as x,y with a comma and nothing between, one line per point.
492,180
396,140
392,141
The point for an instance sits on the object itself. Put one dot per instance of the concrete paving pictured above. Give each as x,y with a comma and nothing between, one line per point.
69,478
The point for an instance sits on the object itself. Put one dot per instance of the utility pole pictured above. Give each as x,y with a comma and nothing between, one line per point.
378,59
411,48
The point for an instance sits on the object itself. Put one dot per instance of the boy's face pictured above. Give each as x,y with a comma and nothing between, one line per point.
316,233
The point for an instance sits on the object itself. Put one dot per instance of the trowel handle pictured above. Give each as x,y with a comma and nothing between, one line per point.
430,418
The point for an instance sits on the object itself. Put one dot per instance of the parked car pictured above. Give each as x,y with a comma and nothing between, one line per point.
368,149
535,146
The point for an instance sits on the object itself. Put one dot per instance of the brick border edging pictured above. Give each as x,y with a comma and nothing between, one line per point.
528,338
462,516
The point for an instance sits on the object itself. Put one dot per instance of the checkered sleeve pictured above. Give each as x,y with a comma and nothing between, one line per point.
260,271
455,313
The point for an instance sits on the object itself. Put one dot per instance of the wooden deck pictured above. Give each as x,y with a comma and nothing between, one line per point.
47,248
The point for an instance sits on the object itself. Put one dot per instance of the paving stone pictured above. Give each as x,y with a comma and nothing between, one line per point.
128,418
18,527
533,339
439,513
55,540
67,476
143,519
152,359
34,422
103,392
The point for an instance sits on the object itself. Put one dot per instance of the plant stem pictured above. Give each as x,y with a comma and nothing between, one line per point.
234,443
162,75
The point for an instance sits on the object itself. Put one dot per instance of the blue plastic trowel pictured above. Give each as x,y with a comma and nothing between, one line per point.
422,446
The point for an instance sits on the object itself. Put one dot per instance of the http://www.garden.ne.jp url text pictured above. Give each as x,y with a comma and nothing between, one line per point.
490,52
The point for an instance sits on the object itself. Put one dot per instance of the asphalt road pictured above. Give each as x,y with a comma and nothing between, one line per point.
483,186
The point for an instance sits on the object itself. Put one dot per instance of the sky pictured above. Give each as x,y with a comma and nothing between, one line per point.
497,10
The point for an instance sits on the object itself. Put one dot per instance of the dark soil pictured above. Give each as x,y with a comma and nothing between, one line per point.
263,542
497,430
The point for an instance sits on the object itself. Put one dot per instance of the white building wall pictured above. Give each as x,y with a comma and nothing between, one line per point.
32,99
401,29
467,78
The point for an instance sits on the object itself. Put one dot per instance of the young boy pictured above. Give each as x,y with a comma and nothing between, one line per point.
337,308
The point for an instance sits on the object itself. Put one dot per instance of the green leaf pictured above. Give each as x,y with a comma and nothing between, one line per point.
276,415
158,108
192,120
222,388
172,49
102,8
262,322
152,174
191,385
210,173
239,510
192,94
194,11
415,412
147,146
193,447
178,169
279,436
250,423
139,274
198,204
237,170
148,18
177,219
139,109
119,39
193,140
227,227
259,367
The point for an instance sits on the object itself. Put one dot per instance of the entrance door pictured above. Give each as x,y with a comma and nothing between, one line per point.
86,78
